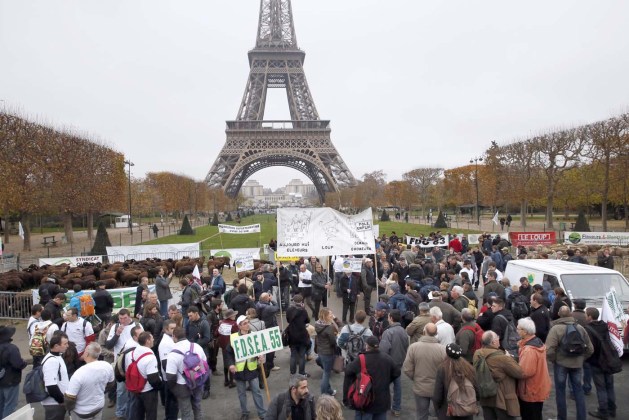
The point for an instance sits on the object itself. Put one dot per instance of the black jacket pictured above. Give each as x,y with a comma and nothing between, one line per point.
280,407
55,313
596,330
103,302
199,332
266,313
382,371
297,318
10,359
541,318
346,284
241,303
48,291
499,325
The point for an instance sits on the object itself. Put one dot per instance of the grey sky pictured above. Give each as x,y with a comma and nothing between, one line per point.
405,83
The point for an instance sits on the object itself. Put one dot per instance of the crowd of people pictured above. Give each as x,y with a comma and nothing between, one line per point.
419,313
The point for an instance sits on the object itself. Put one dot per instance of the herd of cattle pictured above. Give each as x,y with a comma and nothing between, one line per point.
116,274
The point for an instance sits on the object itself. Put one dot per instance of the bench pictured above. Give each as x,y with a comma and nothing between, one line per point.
49,240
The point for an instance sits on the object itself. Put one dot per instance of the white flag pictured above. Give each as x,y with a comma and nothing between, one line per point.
21,230
495,219
195,272
613,314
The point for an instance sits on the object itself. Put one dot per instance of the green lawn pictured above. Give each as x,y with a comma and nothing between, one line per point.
212,240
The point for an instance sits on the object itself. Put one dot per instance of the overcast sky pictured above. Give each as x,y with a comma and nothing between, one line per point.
404,83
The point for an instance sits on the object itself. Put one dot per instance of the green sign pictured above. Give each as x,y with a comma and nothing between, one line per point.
256,343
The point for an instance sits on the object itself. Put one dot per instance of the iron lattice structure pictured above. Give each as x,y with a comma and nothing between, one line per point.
302,143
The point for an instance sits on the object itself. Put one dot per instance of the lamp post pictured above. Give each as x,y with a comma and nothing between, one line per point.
130,164
475,161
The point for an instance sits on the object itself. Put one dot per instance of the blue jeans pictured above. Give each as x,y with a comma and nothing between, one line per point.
605,393
122,397
369,416
397,394
298,355
576,377
327,361
241,386
163,308
8,399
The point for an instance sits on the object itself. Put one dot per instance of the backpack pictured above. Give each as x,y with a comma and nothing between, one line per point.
510,339
196,371
471,305
133,378
487,386
87,305
478,336
360,394
462,401
572,343
119,367
519,308
34,387
355,344
39,343
608,359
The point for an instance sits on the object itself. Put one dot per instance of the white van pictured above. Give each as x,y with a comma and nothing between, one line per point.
579,281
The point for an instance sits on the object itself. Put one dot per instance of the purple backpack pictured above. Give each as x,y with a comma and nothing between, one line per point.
195,370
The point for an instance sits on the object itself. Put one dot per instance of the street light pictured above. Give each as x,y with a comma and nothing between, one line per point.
128,162
475,161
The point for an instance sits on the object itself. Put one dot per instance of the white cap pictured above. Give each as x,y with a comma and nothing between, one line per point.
240,319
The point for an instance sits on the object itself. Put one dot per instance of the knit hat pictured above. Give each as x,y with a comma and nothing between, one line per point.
453,351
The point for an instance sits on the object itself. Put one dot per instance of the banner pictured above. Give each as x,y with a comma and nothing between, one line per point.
120,253
532,238
323,232
473,238
612,313
239,230
236,253
426,242
124,297
256,343
596,238
244,264
284,258
72,261
355,265
376,231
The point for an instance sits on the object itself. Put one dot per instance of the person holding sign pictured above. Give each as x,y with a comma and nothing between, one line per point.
245,371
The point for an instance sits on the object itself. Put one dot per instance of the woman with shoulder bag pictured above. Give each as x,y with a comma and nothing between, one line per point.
327,330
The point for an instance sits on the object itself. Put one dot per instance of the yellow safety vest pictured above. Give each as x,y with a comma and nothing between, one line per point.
252,363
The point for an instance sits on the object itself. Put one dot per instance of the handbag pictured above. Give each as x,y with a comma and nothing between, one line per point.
338,365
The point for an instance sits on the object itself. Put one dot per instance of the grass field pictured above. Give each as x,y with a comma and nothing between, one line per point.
268,226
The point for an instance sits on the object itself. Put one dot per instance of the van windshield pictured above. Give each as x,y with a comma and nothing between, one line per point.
594,286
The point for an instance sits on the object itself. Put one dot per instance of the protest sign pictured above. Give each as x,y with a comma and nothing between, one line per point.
256,343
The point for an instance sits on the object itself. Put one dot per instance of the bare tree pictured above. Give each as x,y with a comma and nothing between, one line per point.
424,181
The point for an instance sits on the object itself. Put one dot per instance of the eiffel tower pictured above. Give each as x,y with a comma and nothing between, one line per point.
302,143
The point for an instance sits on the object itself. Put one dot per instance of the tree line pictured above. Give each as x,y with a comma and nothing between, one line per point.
585,167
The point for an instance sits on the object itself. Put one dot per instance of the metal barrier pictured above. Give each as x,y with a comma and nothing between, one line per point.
7,264
16,305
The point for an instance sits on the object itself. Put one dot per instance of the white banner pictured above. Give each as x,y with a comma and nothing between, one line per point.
596,238
426,242
237,253
473,238
376,231
239,230
120,253
73,261
613,314
323,231
256,343
243,264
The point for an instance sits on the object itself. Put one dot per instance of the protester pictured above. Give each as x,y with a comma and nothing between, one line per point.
379,321
226,328
162,288
299,339
246,373
199,332
85,396
188,400
49,289
421,363
503,405
382,370
568,365
242,301
349,292
328,408
534,386
296,403
165,347
449,313
55,307
540,316
466,337
454,369
103,302
368,282
145,402
56,378
327,331
445,332
79,330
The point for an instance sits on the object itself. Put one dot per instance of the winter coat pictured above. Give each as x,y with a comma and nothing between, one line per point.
10,358
326,338
240,303
382,370
103,302
55,313
505,370
594,328
423,358
541,318
416,328
450,314
557,304
440,396
199,332
162,288
266,312
499,324
493,286
395,343
553,342
534,386
607,262
352,286
466,338
319,280
297,318
280,407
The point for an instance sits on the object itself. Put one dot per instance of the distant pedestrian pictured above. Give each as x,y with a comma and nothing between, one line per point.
155,230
